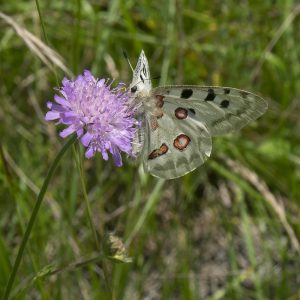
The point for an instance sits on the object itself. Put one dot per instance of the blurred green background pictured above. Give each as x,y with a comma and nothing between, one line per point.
229,230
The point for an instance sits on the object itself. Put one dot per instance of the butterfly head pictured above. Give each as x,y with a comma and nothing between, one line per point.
141,82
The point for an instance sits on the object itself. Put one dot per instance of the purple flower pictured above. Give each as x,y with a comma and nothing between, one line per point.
101,117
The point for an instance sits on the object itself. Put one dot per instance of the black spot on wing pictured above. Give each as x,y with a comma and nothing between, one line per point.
192,111
244,94
210,96
142,78
224,104
226,91
144,70
186,93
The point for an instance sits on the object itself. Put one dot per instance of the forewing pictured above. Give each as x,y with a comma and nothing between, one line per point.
221,109
141,74
174,147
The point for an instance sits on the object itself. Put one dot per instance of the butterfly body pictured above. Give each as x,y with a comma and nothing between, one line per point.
177,122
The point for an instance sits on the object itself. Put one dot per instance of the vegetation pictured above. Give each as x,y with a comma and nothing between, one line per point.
229,230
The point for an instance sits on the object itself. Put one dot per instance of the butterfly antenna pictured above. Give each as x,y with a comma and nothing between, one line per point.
126,57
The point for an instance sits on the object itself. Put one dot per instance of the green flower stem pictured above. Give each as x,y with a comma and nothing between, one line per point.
33,216
106,273
78,161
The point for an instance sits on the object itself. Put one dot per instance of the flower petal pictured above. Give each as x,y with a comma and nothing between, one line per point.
61,101
87,73
79,132
117,157
104,154
66,132
57,107
68,117
52,115
65,81
90,152
86,139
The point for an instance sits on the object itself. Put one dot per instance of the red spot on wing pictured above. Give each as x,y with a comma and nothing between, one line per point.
163,149
181,142
181,113
159,101
153,123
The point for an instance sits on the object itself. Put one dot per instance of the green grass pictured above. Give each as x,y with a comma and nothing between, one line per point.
229,230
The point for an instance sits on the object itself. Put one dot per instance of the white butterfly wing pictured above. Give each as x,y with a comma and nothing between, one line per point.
172,147
221,109
141,75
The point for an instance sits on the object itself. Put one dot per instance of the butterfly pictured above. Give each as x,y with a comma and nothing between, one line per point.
178,121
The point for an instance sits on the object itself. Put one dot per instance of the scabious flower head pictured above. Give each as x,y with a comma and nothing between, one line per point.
102,117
